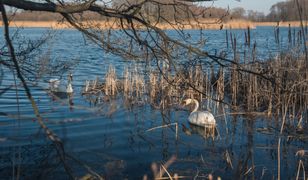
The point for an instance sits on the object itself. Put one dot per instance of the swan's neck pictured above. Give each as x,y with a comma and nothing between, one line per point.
69,88
196,105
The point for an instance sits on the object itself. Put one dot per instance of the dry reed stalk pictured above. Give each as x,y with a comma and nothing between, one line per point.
126,83
162,87
207,84
175,177
165,167
250,93
198,80
228,158
299,124
153,86
211,106
300,165
270,106
178,91
209,131
234,85
86,88
190,92
138,83
95,83
248,171
255,89
225,118
220,86
284,110
111,82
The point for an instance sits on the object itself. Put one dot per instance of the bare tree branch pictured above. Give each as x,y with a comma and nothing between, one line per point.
49,7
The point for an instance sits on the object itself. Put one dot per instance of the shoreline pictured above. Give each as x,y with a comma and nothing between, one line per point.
205,24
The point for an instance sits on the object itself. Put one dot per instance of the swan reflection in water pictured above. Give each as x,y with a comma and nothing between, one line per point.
205,132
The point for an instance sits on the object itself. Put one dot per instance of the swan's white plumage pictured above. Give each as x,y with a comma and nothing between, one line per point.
200,118
69,88
54,84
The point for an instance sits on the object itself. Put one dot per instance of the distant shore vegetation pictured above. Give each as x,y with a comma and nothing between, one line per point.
281,14
211,24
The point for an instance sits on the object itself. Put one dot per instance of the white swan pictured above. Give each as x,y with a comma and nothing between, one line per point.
54,84
69,88
200,118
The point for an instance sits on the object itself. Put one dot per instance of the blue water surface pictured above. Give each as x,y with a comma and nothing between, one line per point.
117,145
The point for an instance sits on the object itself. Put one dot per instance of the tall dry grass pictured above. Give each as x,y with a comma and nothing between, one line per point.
276,87
282,85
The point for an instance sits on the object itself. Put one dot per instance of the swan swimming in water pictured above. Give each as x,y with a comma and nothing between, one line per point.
200,118
69,88
54,84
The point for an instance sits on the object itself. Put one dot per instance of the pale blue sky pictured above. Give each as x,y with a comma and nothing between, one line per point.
257,5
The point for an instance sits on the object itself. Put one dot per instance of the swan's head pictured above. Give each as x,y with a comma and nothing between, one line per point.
70,77
187,101
69,87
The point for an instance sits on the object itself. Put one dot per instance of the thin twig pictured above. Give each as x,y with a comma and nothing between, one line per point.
164,126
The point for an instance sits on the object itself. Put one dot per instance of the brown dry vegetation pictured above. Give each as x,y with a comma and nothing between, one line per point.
278,86
282,88
204,24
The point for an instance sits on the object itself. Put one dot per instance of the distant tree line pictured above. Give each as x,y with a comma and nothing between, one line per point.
288,10
281,11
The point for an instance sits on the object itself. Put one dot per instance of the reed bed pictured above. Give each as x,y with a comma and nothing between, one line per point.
276,87
161,90
282,88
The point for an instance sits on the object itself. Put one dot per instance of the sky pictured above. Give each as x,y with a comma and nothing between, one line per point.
256,5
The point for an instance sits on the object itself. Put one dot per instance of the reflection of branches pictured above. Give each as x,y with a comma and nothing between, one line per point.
33,63
53,137
33,158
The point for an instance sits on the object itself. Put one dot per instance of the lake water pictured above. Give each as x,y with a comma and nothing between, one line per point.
118,145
